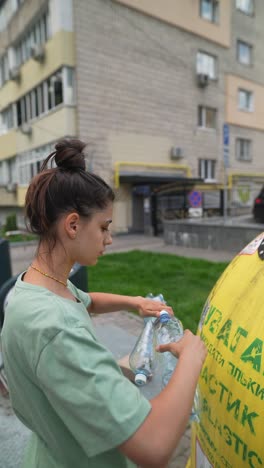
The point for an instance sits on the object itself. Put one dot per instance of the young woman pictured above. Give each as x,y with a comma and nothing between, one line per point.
64,384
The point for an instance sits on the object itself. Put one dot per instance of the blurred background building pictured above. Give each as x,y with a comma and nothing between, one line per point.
169,95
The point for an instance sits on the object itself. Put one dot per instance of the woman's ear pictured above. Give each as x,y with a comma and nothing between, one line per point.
71,224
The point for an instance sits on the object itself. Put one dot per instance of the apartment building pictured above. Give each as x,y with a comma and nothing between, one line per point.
164,93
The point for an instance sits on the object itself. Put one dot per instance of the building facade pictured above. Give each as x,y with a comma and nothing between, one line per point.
149,85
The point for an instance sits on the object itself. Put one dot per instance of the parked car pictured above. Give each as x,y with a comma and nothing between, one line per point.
258,208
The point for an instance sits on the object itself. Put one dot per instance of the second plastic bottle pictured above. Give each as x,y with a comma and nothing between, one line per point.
167,330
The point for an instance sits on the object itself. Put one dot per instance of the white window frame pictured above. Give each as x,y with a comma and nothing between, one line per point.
27,102
4,69
7,10
213,11
246,6
202,117
68,84
245,100
28,162
206,64
244,52
207,169
6,120
37,34
243,149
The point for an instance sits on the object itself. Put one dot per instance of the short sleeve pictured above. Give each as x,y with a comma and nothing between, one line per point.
81,295
86,388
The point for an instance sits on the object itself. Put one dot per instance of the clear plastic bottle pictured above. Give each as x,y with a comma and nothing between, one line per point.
142,359
169,329
159,297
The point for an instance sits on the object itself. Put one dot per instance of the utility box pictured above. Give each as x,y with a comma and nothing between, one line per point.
5,261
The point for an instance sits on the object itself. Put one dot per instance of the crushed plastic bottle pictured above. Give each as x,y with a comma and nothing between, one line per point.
142,358
169,329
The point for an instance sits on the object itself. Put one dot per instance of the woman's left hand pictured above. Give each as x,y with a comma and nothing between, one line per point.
149,308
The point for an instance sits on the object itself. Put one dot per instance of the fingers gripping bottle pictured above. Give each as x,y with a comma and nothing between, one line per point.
142,358
169,329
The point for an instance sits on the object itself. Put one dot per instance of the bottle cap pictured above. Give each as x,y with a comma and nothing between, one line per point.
164,316
140,379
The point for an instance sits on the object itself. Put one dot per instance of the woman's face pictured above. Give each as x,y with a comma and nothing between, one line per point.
93,236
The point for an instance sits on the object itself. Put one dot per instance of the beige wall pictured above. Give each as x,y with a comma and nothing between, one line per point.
7,198
242,118
145,153
59,51
21,194
185,14
58,123
122,215
8,145
139,148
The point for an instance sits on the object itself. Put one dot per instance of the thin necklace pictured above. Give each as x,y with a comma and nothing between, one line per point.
49,276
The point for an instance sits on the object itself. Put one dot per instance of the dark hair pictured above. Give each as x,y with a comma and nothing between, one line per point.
62,189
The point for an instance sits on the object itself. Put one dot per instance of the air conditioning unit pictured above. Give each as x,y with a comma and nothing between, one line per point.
202,79
14,73
26,129
37,52
11,187
176,152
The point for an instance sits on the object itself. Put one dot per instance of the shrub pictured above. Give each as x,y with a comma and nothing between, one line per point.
11,222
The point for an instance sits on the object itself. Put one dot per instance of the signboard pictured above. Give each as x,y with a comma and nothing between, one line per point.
226,134
195,199
226,144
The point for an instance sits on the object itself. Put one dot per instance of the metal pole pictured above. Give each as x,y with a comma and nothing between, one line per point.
225,195
226,165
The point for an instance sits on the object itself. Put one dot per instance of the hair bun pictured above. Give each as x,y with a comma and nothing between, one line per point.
69,154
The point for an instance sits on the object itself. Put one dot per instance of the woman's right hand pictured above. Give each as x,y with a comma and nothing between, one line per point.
189,345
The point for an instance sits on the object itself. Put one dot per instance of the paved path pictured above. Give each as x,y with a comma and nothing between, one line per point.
12,433
22,254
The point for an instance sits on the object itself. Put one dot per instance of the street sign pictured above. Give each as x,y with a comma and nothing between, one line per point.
226,134
195,199
226,145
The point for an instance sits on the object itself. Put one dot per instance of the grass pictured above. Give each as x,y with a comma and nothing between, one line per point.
185,283
20,237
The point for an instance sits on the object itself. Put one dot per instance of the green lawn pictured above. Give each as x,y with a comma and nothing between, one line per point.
18,237
185,283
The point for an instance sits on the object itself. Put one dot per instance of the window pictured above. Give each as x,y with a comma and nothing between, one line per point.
245,100
247,6
38,34
29,163
4,69
209,10
6,120
244,53
7,10
243,149
207,169
206,64
206,117
41,99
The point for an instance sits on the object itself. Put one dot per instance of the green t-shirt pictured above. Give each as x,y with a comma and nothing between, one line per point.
64,384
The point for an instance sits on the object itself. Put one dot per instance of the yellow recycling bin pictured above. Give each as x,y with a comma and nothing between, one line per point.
231,428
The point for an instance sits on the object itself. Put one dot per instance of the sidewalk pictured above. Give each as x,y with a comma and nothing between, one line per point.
124,325
22,254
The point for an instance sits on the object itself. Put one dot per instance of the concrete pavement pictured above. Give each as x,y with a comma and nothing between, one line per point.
22,253
13,434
